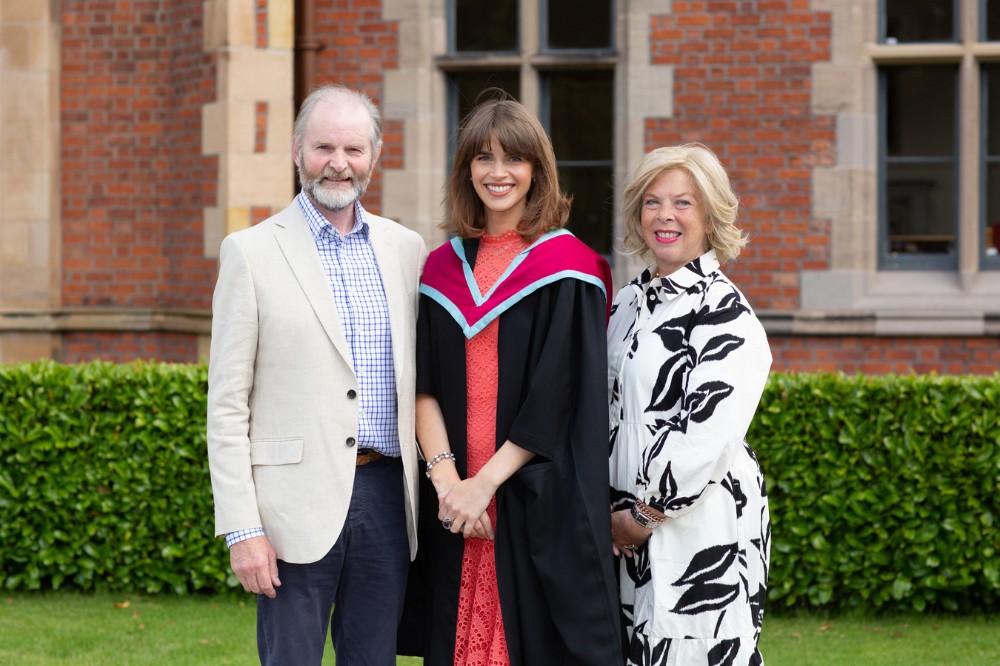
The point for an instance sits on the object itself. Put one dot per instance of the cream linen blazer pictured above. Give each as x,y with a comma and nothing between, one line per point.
280,383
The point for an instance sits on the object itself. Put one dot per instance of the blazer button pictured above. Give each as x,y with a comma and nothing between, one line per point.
351,441
352,394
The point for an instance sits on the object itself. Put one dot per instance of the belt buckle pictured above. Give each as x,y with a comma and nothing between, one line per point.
367,456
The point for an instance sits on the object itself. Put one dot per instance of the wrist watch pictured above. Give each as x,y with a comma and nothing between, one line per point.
645,520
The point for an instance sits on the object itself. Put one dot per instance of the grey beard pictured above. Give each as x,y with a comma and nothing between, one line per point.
334,200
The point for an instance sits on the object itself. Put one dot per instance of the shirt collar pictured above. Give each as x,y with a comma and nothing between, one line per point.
684,278
319,225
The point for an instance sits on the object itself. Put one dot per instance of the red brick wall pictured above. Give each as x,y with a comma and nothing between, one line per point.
124,346
359,45
742,87
742,82
876,356
134,181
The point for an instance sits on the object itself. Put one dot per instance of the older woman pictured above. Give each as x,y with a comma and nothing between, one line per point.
688,361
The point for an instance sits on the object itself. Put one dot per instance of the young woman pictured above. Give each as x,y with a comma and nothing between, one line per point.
515,563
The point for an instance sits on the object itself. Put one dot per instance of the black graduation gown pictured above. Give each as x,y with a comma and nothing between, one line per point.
555,572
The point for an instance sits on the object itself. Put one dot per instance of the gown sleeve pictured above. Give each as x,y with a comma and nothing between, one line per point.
729,362
566,336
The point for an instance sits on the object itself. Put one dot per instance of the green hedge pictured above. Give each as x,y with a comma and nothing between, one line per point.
104,480
883,489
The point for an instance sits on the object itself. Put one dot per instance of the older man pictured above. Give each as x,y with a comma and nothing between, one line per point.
310,400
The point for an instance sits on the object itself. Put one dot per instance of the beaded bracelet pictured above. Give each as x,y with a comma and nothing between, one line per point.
436,459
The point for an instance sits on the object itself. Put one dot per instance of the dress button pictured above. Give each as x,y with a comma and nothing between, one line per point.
351,441
352,394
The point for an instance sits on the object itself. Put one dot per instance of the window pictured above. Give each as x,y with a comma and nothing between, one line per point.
484,27
992,22
991,164
918,166
558,58
919,21
926,164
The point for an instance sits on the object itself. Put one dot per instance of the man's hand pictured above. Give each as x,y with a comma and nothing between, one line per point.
256,565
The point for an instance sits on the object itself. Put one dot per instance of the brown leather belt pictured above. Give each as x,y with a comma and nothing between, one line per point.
366,456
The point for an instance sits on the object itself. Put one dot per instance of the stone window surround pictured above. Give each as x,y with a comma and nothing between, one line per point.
853,296
416,93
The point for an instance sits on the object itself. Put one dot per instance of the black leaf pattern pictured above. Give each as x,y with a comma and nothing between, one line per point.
701,402
739,498
709,564
724,653
706,597
660,650
669,387
720,346
637,567
668,485
757,605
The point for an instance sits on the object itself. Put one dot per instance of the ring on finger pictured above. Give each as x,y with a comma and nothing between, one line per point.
447,523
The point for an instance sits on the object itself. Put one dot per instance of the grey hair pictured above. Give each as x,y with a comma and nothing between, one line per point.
327,93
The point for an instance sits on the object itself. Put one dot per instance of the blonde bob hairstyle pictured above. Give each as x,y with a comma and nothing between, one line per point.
519,133
715,196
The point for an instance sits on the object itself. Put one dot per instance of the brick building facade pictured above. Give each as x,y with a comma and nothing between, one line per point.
137,133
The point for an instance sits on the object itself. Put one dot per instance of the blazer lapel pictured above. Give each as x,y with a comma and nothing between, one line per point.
299,247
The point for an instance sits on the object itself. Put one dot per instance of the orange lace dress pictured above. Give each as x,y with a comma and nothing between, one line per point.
479,637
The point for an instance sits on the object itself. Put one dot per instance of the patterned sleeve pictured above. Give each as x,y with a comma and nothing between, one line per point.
727,359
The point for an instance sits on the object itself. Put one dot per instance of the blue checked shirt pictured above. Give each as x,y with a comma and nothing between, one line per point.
356,286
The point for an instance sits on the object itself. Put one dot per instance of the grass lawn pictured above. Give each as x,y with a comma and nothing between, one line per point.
103,630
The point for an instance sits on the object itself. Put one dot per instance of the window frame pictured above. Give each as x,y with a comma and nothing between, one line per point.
534,61
915,261
987,262
969,55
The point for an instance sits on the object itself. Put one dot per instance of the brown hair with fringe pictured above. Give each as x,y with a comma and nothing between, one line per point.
519,133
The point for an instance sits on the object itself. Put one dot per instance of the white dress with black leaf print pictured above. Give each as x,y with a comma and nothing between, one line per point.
688,361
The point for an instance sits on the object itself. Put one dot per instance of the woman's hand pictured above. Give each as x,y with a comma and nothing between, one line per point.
464,503
626,534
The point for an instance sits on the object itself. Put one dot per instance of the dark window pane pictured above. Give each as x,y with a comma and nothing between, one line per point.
579,24
580,118
580,115
919,21
992,237
921,208
593,203
486,26
920,110
467,86
991,123
992,108
992,20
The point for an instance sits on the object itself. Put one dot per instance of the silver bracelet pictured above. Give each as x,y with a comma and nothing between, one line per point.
436,459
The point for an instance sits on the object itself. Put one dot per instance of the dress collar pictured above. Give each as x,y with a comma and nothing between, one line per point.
680,281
